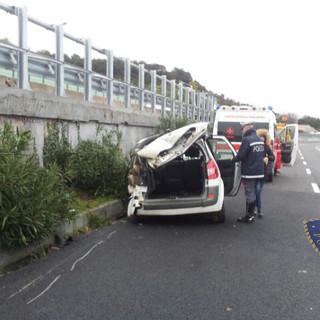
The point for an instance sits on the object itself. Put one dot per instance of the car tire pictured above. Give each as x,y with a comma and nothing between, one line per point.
219,216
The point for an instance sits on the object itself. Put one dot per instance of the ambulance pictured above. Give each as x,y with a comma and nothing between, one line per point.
284,144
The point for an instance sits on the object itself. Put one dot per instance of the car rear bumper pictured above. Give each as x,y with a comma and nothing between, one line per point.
160,210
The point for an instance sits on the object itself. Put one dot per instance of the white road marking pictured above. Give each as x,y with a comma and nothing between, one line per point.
111,234
308,171
318,148
40,278
302,271
304,162
44,291
315,188
78,260
302,158
26,286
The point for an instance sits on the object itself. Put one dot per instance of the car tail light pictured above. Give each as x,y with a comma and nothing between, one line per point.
212,170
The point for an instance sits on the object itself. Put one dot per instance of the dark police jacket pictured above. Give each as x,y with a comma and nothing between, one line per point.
251,154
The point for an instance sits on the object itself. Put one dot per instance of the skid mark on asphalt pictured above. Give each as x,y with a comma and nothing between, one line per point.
45,290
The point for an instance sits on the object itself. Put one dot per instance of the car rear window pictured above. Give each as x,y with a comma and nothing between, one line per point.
232,130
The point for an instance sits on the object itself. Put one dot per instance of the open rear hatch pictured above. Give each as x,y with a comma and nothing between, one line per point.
172,145
172,166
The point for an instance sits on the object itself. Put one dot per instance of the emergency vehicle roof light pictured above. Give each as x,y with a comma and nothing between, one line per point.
218,107
270,108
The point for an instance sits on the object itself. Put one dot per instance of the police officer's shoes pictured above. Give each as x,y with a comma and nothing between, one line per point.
246,219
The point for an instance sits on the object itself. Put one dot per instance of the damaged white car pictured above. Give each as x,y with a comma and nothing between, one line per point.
186,171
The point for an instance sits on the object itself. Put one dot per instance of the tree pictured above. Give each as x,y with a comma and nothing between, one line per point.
313,122
292,118
180,75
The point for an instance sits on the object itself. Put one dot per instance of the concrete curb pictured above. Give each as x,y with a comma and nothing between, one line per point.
110,210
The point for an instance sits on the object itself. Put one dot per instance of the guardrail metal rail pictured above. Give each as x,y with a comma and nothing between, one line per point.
27,66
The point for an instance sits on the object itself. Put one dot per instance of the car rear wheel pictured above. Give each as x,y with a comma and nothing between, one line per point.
219,216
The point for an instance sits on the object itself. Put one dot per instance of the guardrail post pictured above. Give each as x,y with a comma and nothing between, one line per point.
164,94
206,107
198,106
212,114
127,80
193,103
187,102
88,69
180,97
154,90
141,87
23,81
210,107
203,107
110,77
60,57
173,98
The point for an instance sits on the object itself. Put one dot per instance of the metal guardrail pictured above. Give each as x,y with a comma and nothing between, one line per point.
27,65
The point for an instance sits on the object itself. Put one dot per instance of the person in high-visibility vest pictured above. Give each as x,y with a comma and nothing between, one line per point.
288,136
277,148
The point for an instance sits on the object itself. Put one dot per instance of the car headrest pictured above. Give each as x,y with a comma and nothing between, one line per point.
192,152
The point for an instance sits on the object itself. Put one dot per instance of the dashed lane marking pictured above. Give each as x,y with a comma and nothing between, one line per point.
45,290
318,148
302,158
315,188
304,162
308,171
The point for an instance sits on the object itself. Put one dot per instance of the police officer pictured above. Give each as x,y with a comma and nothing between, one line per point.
251,154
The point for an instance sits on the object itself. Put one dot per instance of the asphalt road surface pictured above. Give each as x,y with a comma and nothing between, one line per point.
186,267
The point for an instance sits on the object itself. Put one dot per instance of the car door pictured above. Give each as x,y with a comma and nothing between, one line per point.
289,143
223,152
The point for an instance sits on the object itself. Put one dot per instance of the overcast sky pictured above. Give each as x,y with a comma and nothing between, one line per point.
258,52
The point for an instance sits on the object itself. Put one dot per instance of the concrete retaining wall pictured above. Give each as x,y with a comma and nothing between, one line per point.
29,110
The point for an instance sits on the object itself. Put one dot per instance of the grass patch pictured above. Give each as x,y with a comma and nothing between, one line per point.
96,221
84,203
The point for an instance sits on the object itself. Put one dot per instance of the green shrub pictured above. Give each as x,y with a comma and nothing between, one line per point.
33,200
56,148
99,167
